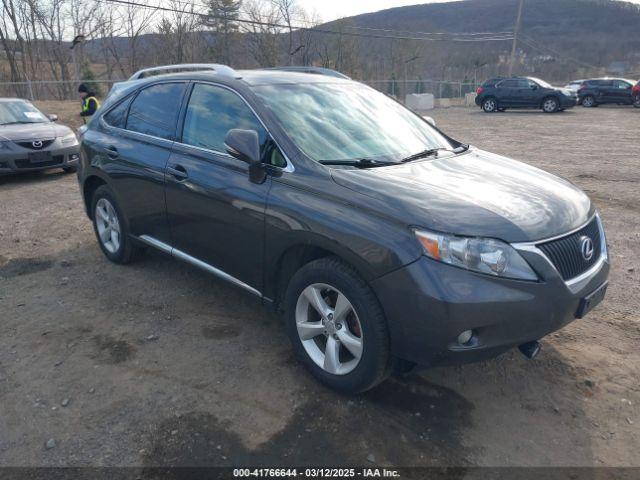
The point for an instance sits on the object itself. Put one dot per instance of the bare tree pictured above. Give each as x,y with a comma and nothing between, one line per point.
262,37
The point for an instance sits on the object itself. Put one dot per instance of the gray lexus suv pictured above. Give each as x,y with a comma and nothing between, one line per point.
384,242
31,140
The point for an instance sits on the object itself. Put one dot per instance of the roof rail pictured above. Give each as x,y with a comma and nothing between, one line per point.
310,69
216,67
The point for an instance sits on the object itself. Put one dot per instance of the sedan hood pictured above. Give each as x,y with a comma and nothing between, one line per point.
34,131
474,194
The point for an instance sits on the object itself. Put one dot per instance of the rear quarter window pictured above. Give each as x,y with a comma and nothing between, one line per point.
155,110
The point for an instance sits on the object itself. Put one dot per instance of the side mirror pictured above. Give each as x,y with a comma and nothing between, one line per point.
429,120
245,146
53,117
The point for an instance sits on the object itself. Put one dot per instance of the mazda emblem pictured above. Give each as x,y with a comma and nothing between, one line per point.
36,144
586,247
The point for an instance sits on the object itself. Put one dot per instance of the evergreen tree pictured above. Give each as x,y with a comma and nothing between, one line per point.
222,18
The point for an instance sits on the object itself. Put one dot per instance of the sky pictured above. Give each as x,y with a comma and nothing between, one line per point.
332,9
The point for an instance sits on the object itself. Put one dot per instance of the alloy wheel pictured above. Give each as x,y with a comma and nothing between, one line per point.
550,105
489,105
329,329
108,225
588,102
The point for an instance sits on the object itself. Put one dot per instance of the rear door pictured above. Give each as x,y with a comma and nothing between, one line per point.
138,134
604,91
507,92
216,214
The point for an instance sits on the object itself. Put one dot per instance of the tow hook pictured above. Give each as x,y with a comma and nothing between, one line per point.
530,349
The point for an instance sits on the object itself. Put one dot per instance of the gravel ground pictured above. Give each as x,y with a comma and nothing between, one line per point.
158,363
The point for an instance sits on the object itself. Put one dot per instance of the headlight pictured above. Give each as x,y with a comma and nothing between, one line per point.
71,138
484,255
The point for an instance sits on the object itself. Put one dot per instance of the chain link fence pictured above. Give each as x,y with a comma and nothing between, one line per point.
67,89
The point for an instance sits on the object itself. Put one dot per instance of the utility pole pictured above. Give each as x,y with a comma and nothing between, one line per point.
516,30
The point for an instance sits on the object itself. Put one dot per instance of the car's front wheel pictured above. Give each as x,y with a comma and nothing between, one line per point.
550,105
337,326
636,101
589,101
490,105
111,228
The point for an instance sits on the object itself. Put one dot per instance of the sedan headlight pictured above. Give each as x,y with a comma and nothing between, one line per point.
484,255
71,138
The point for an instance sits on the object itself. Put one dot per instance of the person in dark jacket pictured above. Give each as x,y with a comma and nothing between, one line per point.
89,102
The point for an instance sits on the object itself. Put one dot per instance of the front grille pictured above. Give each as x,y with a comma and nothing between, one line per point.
29,144
25,163
566,255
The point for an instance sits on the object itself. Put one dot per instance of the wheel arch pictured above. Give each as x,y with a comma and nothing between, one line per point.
298,254
89,187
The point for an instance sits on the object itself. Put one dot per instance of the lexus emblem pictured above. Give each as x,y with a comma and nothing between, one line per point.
36,144
586,247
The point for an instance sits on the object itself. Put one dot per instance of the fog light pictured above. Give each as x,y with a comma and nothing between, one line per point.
465,336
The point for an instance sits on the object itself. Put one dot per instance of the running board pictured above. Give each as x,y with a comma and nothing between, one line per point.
174,252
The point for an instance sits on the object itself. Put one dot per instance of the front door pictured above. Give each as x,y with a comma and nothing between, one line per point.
216,214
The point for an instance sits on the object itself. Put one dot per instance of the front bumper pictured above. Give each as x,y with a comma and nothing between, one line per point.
18,161
568,102
428,304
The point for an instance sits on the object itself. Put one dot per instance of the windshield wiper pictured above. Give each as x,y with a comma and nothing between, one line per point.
433,152
360,163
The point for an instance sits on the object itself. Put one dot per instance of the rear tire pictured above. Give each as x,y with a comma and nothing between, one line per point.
588,101
352,326
111,227
489,105
636,101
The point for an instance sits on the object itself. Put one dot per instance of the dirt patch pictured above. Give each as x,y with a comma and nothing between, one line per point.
219,332
23,266
111,350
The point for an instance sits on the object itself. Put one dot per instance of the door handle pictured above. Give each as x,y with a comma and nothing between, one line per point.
112,152
178,171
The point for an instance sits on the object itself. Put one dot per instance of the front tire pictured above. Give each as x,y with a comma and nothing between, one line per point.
589,101
489,105
550,105
337,326
636,101
111,228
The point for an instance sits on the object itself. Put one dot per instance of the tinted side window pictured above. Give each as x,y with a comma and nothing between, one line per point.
621,84
212,112
509,84
117,116
155,110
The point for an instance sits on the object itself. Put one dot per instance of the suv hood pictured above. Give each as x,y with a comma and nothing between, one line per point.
474,194
34,131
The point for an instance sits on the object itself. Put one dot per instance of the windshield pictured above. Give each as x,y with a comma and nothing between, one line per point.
19,111
348,121
542,83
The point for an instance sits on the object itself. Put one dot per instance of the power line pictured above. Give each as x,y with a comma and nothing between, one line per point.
310,25
538,46
316,29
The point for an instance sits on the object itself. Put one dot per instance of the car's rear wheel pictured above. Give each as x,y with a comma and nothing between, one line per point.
337,326
589,101
111,228
490,105
550,105
636,101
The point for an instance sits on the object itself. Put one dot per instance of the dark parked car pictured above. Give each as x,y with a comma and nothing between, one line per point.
600,91
523,92
635,92
384,242
31,140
